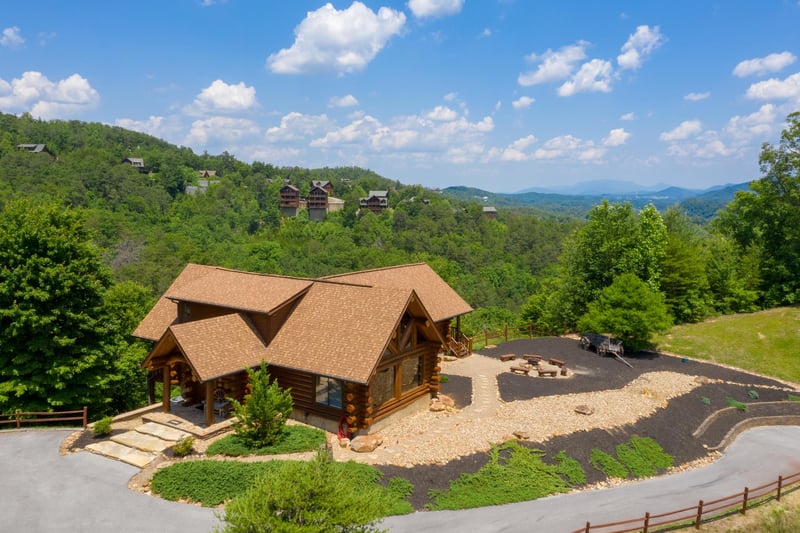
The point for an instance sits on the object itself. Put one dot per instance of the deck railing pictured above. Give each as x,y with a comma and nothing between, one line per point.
43,417
695,515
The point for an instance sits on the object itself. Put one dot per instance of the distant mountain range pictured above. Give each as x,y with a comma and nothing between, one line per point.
577,200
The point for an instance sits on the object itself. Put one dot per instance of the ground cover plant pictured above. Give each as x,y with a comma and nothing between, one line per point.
608,465
292,439
514,474
207,482
643,456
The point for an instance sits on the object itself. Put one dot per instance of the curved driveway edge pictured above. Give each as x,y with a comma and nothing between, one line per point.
42,491
758,456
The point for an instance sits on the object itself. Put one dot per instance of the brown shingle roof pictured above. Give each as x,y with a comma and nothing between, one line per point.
165,312
339,330
219,346
244,291
441,301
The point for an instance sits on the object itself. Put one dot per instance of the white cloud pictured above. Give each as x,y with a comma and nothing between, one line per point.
12,37
422,137
758,125
45,99
442,113
326,41
487,32
774,88
561,147
764,65
592,76
347,100
220,97
554,66
696,97
225,129
628,116
684,130
435,8
516,150
449,97
639,46
295,126
523,102
151,126
616,137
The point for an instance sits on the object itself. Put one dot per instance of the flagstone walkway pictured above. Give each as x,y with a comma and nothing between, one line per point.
140,446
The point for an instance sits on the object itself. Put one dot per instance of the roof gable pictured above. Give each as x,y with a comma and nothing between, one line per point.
165,312
243,291
339,330
439,299
218,346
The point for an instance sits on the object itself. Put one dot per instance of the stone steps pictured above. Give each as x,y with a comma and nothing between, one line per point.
140,446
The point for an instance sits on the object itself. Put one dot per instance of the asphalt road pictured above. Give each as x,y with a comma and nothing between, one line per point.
41,491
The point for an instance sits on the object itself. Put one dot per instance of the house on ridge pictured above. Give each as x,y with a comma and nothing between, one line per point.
35,149
375,201
137,163
356,350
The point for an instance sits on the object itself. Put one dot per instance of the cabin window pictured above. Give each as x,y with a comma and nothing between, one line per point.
186,312
383,387
411,369
329,391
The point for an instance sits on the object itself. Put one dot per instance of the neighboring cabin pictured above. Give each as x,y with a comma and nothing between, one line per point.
354,349
137,163
35,149
375,201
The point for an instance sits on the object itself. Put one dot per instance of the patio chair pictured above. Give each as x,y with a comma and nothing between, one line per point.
221,405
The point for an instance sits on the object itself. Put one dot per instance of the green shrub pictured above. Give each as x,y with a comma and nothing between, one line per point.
102,427
517,474
311,496
292,439
208,483
184,447
606,464
792,398
753,394
706,400
741,406
443,378
570,468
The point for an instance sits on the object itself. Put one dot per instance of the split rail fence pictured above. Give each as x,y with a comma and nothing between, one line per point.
702,512
43,417
509,332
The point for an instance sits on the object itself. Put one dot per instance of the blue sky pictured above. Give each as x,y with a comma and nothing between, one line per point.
503,95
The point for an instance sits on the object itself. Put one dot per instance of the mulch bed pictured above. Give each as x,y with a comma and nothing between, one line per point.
671,427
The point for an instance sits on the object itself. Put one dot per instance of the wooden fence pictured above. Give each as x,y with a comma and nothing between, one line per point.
703,511
509,332
43,417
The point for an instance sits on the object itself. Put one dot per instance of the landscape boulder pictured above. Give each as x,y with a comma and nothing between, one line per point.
366,443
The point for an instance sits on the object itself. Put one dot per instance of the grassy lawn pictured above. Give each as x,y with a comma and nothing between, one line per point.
763,342
295,439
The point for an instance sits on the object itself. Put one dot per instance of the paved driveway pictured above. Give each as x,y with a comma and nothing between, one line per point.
42,491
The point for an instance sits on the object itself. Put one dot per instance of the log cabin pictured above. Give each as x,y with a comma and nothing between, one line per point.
355,350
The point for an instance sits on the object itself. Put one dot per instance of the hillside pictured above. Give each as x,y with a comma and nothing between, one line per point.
149,227
699,205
